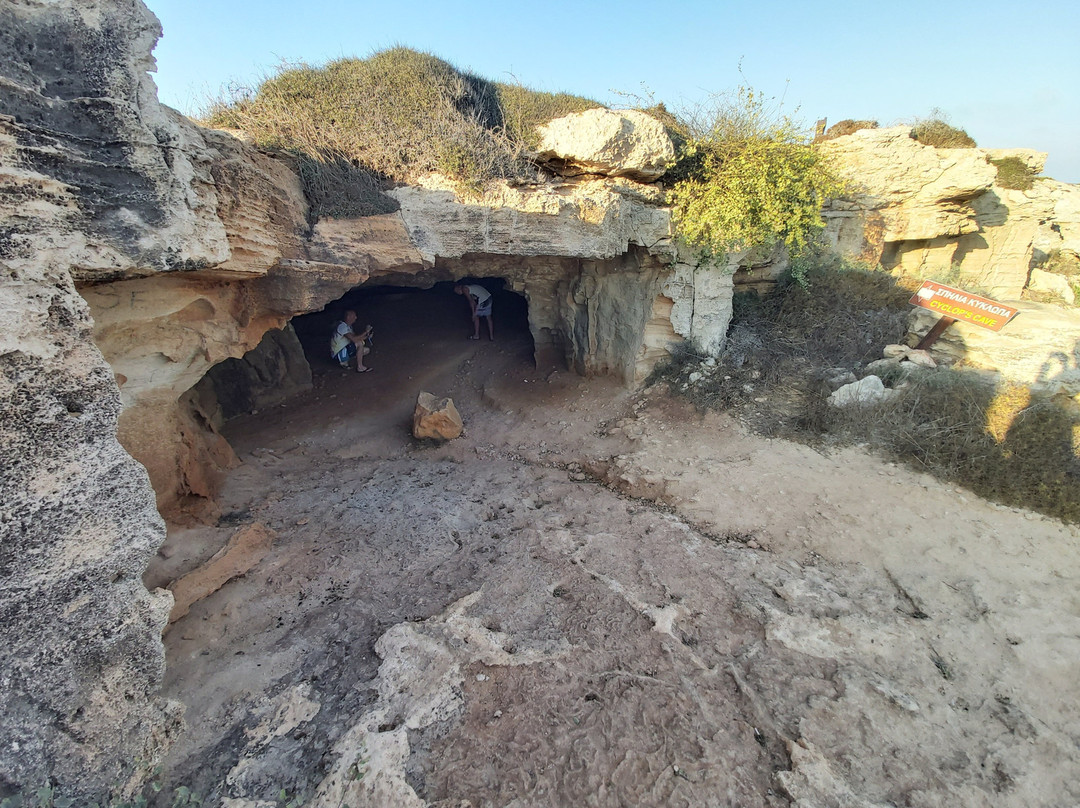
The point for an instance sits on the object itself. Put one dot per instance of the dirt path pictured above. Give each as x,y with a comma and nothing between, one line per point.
601,598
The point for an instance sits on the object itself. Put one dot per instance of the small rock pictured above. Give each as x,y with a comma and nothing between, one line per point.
695,376
870,390
881,367
895,351
482,677
921,358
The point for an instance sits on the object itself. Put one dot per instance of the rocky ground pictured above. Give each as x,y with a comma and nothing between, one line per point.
600,597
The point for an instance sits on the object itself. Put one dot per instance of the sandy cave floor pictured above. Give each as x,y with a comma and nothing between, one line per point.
599,597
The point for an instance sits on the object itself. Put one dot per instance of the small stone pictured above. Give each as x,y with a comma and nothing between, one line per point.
482,677
921,358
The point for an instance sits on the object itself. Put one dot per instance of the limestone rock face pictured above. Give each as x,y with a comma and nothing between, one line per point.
614,143
1040,347
590,219
436,418
940,212
88,170
919,192
82,137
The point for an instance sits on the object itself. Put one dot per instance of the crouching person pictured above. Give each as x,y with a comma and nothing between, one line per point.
345,344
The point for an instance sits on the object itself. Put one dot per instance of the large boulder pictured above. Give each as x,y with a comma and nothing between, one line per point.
623,143
436,418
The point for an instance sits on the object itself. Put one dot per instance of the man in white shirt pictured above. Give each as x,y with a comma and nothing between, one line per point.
480,305
344,344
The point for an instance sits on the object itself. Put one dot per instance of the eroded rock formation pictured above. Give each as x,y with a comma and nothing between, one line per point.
924,211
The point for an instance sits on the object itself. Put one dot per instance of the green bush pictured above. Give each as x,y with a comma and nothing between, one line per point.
389,118
747,177
846,127
1013,173
941,135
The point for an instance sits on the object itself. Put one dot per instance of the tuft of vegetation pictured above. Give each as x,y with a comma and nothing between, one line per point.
748,177
523,110
940,134
1012,172
1062,262
360,124
787,352
846,127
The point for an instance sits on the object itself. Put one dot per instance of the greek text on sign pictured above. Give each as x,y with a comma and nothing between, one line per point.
956,304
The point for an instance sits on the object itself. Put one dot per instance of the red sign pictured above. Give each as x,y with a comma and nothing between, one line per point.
956,304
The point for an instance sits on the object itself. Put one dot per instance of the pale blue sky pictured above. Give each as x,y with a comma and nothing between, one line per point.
1009,75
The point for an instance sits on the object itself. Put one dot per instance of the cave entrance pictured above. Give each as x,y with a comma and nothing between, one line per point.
415,328
420,343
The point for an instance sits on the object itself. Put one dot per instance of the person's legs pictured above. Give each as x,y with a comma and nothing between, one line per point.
360,354
483,310
345,354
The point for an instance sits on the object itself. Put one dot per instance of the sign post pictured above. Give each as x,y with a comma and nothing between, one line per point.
956,304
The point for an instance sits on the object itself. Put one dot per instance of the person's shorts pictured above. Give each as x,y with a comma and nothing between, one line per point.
484,309
345,354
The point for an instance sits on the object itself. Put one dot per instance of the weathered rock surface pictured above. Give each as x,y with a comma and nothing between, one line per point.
89,170
436,418
1040,347
927,212
625,143
274,371
868,390
1052,284
242,552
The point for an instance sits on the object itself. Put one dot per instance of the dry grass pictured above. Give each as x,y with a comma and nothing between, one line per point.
392,117
941,135
846,127
1014,173
781,362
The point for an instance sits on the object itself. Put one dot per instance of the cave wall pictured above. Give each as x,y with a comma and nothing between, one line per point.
87,169
926,212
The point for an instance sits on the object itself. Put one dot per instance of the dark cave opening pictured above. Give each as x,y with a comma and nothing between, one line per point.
408,322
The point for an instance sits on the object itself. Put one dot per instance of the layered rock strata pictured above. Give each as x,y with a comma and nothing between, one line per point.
923,211
93,184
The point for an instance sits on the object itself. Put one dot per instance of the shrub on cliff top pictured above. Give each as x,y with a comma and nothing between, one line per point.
846,127
396,115
747,177
941,135
1013,173
523,110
